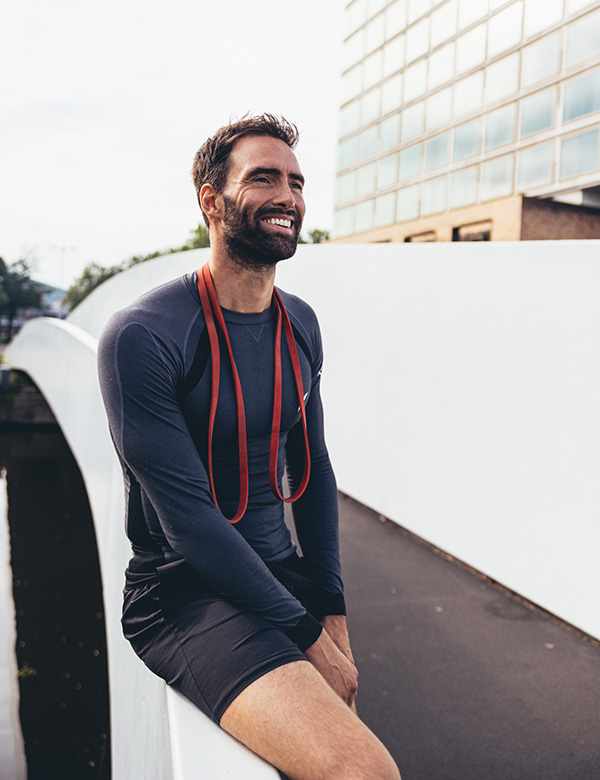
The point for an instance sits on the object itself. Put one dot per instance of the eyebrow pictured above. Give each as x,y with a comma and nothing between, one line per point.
276,172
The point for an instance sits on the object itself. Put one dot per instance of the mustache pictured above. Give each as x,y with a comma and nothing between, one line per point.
272,211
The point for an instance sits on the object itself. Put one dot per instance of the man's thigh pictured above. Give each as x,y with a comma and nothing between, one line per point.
293,719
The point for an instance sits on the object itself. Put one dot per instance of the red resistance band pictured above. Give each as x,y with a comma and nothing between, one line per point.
212,311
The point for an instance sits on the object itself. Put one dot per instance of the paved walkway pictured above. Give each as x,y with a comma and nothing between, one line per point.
459,679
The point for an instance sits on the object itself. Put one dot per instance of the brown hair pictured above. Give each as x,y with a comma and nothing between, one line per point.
211,162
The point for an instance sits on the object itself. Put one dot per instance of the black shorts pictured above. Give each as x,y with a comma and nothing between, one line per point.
199,643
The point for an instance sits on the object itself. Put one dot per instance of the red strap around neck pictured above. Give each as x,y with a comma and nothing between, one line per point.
212,311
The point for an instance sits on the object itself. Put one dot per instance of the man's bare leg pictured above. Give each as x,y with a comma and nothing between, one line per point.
295,721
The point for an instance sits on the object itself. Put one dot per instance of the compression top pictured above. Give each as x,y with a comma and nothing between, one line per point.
155,376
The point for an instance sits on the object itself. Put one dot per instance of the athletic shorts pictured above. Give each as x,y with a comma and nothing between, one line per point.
199,643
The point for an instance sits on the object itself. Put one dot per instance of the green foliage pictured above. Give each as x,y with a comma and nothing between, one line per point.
18,290
315,236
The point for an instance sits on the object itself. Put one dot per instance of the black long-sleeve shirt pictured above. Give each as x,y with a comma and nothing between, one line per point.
155,376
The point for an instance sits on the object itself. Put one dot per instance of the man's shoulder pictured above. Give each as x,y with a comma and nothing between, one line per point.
299,310
164,307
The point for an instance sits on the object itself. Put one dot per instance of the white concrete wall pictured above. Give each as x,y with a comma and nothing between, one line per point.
155,734
462,398
462,392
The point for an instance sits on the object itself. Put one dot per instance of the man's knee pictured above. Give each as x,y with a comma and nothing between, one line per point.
370,761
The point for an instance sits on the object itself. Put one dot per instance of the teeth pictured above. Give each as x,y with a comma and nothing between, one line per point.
282,222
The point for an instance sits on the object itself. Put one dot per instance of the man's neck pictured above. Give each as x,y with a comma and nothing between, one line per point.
241,289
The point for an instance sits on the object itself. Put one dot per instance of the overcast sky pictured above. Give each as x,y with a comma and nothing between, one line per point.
103,104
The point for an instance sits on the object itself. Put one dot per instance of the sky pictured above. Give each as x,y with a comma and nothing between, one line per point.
104,103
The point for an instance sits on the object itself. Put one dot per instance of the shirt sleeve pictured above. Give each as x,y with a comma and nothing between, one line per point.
138,382
316,512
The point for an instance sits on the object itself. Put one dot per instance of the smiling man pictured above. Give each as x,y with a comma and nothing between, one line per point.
211,385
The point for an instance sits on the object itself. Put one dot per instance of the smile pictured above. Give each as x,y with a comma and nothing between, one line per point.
286,223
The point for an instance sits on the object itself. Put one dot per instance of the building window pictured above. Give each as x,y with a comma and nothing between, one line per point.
413,121
537,112
583,38
500,127
441,66
444,22
502,79
422,238
579,155
375,33
541,14
470,49
582,96
393,56
357,15
354,49
373,69
368,141
541,59
410,161
385,206
363,219
463,187
434,196
504,29
345,187
347,152
391,94
371,103
415,81
390,132
407,204
350,118
417,39
343,222
576,5
477,231
466,140
366,179
497,178
470,11
439,109
417,8
436,152
395,18
468,94
352,83
535,166
387,171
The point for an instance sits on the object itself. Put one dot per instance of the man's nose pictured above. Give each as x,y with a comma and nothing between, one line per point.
285,197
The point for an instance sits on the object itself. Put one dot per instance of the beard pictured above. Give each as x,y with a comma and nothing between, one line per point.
250,244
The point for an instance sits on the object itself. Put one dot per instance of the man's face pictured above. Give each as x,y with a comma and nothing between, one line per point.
264,204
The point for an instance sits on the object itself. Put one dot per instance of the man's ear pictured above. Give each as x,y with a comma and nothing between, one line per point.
211,202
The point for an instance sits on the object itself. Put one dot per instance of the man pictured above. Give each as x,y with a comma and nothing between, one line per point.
211,385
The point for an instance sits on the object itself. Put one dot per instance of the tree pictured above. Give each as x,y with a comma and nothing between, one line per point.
18,290
315,236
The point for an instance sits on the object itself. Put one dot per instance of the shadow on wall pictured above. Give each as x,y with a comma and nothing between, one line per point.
61,639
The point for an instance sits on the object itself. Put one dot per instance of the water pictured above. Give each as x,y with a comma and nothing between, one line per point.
54,716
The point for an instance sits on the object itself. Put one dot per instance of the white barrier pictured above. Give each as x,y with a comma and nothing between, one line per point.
462,398
155,733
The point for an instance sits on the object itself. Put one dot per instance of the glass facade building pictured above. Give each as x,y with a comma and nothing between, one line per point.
451,105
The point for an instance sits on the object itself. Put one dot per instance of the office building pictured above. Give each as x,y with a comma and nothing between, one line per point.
469,120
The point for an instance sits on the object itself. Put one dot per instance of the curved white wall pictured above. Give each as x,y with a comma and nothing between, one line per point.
462,396
155,733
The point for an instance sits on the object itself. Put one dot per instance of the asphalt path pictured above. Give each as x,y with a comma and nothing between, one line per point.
459,678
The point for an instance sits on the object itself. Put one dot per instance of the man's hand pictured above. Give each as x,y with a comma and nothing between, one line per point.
336,627
337,669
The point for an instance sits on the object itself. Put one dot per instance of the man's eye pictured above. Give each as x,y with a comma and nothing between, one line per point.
262,178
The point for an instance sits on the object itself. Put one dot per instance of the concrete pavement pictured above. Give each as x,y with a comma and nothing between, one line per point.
459,678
